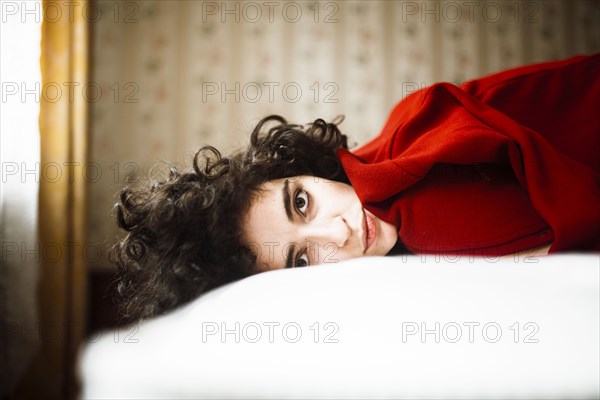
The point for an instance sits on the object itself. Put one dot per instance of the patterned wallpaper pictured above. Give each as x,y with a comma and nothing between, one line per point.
174,75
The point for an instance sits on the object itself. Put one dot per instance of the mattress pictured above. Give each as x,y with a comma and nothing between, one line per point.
373,327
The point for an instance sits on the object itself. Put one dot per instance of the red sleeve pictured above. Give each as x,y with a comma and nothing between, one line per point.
493,166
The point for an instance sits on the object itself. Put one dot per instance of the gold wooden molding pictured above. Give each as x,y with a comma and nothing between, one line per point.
62,217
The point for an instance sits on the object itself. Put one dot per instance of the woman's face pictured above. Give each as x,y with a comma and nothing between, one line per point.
305,220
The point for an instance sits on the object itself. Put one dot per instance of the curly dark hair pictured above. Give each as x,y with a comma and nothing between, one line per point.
183,233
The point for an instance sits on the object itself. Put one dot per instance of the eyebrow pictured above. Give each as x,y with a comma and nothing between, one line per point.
287,204
287,199
289,261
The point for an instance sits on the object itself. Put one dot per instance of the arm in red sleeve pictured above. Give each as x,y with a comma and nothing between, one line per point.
533,130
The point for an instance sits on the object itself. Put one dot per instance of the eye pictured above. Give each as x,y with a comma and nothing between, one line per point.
302,261
301,201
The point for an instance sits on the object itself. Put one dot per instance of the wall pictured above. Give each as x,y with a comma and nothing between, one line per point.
179,74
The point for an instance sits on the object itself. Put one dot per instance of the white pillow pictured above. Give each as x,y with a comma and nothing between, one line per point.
353,330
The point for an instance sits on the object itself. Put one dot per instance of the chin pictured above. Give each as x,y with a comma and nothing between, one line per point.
388,236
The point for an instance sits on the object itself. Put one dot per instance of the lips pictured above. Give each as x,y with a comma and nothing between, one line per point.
365,231
369,231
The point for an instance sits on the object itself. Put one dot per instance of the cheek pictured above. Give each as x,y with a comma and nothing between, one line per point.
346,195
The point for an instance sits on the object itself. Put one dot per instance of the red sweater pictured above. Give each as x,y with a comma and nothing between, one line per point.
497,165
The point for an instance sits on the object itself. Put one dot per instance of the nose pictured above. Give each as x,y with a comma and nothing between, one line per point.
334,230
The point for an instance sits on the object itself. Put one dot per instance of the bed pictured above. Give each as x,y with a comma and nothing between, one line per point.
377,327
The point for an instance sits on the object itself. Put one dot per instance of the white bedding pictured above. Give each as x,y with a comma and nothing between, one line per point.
528,329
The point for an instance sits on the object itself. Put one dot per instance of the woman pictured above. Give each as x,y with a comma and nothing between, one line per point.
499,165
